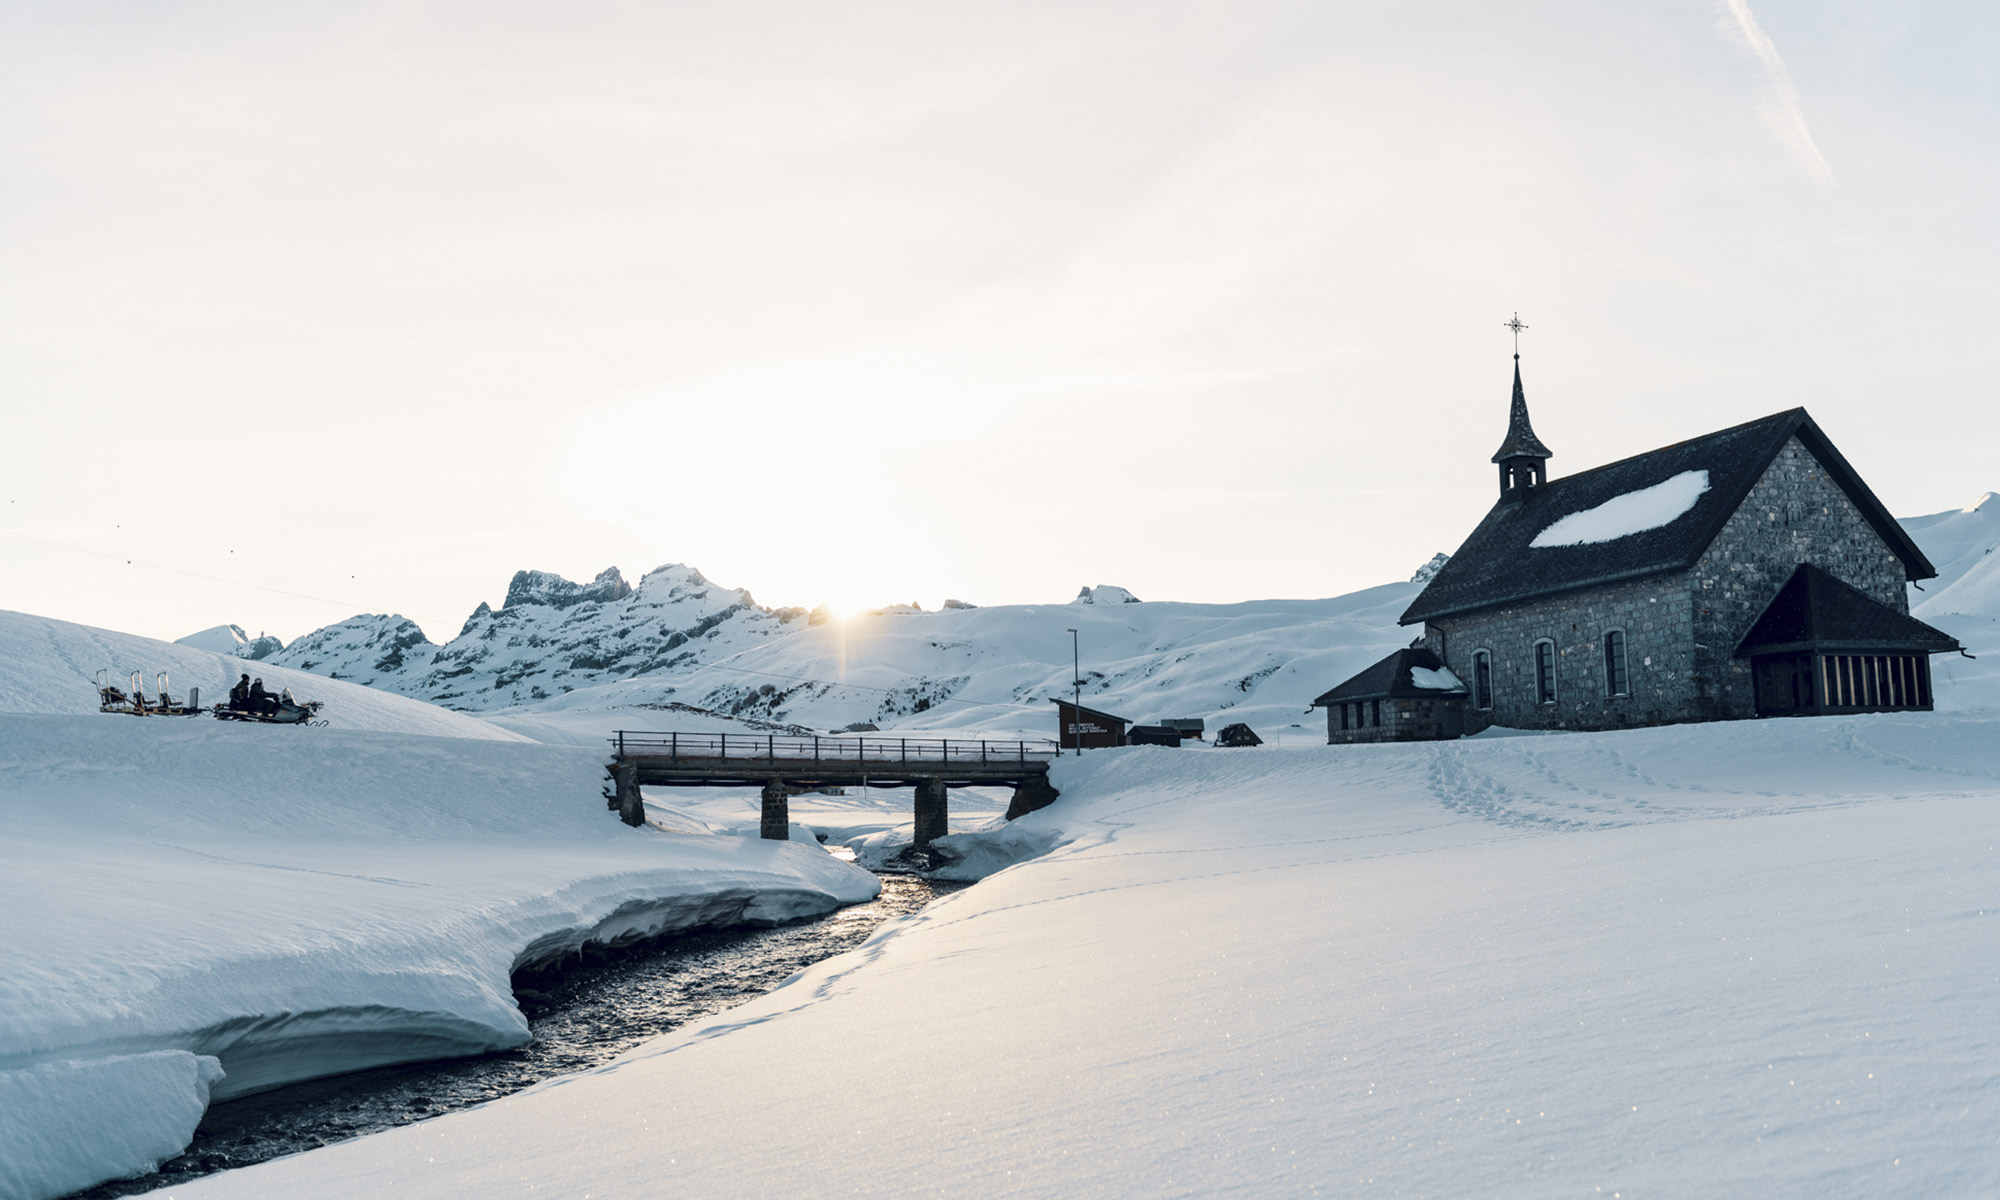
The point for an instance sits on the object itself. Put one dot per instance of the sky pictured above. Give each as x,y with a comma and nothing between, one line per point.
318,309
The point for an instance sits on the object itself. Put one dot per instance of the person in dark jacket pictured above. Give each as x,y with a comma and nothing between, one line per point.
239,696
262,701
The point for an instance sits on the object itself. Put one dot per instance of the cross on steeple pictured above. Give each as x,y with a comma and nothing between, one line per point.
1517,327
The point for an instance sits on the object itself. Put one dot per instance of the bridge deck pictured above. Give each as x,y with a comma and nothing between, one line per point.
734,760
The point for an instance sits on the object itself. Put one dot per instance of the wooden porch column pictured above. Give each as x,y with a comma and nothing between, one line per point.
777,812
933,814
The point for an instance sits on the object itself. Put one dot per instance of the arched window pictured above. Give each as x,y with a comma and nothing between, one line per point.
1482,678
1616,681
1545,672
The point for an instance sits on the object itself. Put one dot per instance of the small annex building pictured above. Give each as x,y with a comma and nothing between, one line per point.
1748,572
1410,696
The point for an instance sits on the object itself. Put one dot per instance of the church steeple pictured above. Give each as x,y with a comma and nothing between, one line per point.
1524,461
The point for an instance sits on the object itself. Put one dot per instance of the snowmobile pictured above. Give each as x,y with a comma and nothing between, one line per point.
289,711
111,700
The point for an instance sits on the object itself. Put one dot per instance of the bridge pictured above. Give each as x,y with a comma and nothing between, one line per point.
787,765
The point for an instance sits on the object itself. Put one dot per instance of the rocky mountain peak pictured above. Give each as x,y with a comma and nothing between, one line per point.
553,591
1105,593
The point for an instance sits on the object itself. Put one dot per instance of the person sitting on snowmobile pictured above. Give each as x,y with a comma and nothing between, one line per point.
262,701
239,696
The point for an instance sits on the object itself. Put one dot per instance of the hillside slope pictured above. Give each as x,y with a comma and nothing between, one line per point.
50,666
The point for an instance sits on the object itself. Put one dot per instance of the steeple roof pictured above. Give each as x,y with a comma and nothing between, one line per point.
1521,440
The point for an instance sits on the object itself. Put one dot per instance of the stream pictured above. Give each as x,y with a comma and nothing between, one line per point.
582,1014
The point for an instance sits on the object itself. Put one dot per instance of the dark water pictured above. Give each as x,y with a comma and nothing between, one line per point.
583,1014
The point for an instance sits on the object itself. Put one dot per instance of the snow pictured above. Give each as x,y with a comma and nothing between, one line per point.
990,671
71,1124
1622,516
1955,541
291,902
221,639
50,666
1438,679
1105,593
1689,961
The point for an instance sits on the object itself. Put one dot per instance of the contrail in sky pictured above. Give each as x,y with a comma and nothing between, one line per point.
1780,110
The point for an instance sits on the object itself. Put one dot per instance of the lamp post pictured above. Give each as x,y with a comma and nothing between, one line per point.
1076,684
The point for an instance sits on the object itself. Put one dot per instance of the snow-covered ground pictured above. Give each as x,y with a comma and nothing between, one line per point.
197,909
1729,959
1743,959
50,666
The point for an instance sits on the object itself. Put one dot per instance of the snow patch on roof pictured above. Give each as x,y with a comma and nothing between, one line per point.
1622,516
1441,679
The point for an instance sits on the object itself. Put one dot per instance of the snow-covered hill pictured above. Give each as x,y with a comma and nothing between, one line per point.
50,666
548,637
570,661
231,640
993,670
1964,600
576,659
1955,541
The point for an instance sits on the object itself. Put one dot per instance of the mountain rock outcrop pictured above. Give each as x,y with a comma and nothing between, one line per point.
550,636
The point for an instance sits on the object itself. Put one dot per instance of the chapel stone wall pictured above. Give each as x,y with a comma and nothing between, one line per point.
1655,615
1795,514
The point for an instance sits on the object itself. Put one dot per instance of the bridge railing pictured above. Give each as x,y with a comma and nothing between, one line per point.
834,751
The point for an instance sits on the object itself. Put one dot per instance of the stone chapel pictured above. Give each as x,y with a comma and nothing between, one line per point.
1746,573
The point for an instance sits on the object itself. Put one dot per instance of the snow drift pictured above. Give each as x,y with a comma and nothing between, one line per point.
201,908
1704,960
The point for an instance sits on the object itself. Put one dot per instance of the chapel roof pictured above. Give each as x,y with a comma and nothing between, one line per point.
1817,611
1498,564
1391,679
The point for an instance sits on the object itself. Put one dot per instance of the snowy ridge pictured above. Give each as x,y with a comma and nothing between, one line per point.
231,640
991,671
551,636
678,644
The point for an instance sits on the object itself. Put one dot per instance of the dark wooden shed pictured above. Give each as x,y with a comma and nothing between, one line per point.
1080,728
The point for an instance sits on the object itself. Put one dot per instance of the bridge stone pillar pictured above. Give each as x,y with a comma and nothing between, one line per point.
933,812
631,806
777,812
1030,794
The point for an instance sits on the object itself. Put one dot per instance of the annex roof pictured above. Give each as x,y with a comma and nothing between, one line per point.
1499,565
1817,611
1391,679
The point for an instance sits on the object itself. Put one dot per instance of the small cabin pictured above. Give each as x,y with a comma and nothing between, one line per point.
1410,696
1080,728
